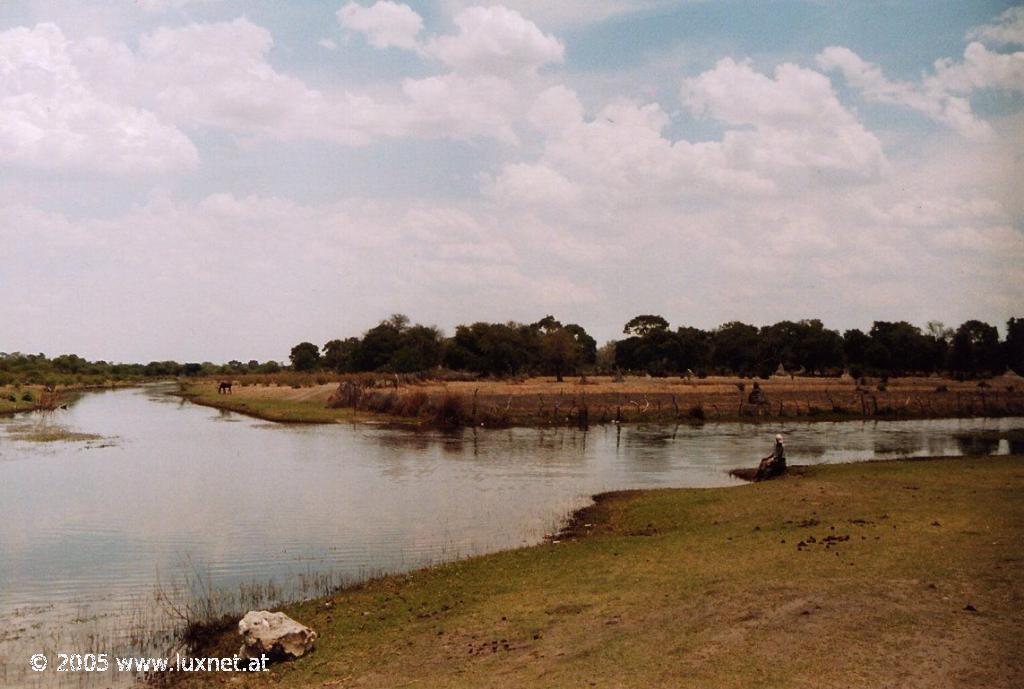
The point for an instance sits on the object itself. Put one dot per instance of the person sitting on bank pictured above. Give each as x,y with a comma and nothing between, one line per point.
775,463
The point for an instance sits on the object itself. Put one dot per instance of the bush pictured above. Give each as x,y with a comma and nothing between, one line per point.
27,396
382,403
412,404
449,411
697,413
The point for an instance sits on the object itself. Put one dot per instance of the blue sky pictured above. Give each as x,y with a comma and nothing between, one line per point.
218,179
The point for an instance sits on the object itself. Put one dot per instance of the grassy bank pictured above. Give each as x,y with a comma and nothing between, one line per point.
905,573
279,403
18,398
546,402
15,399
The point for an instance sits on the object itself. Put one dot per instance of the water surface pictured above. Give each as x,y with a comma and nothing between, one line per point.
163,493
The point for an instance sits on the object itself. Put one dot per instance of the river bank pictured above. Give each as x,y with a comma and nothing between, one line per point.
898,573
581,402
17,399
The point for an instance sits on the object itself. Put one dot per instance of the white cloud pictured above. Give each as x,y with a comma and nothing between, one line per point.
798,122
219,75
981,68
51,117
385,24
461,107
166,5
327,44
784,133
1008,28
618,160
496,40
555,109
936,103
569,12
943,96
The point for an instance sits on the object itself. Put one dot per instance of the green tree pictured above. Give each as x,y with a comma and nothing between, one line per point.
975,349
339,355
305,356
638,326
736,348
420,347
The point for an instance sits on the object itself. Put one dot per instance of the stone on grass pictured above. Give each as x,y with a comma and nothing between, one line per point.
274,634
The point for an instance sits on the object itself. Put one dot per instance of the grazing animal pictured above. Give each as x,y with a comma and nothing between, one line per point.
224,388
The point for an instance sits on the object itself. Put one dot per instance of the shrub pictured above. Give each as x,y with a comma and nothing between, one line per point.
449,411
412,404
697,413
27,396
382,403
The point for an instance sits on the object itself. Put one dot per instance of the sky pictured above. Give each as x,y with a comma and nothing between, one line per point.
215,179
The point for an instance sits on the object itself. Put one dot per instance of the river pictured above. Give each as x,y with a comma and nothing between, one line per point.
163,496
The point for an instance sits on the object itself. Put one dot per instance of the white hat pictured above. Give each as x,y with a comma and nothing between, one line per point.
779,437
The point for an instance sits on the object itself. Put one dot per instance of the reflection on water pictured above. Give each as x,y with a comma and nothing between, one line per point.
87,529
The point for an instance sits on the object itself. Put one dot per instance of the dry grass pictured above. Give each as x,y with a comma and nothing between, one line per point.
543,401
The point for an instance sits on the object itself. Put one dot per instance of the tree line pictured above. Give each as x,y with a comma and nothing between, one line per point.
492,349
652,347
649,346
71,369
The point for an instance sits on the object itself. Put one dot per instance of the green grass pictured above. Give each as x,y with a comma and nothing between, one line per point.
273,409
709,588
9,406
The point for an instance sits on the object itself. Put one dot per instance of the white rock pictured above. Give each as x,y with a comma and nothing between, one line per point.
275,634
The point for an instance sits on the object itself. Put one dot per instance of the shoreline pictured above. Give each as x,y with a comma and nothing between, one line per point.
435,406
61,396
642,560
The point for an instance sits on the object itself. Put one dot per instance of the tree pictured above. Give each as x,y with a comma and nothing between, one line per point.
736,347
855,348
305,356
378,345
420,347
339,355
559,351
1013,347
906,348
605,357
975,349
497,349
694,349
639,326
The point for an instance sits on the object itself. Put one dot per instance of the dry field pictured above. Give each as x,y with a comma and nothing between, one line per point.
543,401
